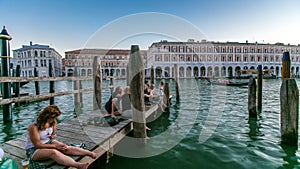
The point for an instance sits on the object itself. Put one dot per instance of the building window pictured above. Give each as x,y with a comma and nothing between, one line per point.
258,58
266,59
223,58
258,50
223,50
181,58
36,63
181,49
35,53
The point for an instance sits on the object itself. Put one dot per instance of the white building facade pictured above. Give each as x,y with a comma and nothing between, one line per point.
113,61
39,57
218,59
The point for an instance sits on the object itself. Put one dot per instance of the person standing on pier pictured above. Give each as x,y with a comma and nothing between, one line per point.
41,144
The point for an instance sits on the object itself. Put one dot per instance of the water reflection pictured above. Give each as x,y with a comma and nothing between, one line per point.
291,157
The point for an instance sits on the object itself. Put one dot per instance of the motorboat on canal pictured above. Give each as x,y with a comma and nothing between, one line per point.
227,82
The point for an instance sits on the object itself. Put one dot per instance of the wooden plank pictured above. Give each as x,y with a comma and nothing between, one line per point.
42,96
14,151
17,143
108,144
151,110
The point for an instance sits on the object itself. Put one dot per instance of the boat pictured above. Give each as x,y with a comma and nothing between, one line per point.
228,83
201,78
252,73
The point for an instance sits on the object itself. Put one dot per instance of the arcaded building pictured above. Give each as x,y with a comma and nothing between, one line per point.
113,61
218,59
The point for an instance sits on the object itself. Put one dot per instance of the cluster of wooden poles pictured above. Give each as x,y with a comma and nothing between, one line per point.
289,102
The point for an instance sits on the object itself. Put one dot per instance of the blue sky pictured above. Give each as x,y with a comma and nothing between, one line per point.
70,24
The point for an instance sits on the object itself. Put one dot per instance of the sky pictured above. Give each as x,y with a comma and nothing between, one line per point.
74,24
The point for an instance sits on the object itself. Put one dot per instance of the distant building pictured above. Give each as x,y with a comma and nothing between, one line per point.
113,61
39,57
218,59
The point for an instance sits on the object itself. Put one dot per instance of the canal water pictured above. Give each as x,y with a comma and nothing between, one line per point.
209,128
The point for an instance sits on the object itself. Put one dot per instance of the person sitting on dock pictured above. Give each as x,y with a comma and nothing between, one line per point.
161,88
146,95
41,144
126,103
111,104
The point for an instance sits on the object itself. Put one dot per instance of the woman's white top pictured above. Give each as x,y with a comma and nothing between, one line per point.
44,137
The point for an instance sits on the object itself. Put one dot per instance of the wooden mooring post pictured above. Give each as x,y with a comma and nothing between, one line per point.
176,82
76,86
17,84
97,78
136,71
259,89
289,111
6,86
252,98
286,65
152,75
166,98
36,83
51,84
289,104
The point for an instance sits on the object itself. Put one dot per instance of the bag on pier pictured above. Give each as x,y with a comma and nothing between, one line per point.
8,163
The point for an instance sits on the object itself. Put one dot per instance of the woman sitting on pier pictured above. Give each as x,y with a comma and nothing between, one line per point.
111,104
41,145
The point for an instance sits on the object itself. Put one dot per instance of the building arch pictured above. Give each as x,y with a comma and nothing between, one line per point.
277,71
209,71
123,72
202,71
188,72
216,71
118,73
158,72
237,71
196,71
293,71
223,71
70,72
167,71
230,71
89,72
83,72
181,72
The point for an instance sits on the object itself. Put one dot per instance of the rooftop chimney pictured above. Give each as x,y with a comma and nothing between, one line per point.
30,43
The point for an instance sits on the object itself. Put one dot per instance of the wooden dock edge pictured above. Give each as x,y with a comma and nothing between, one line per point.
108,144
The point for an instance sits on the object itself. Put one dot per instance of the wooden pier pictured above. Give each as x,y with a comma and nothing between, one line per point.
88,128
